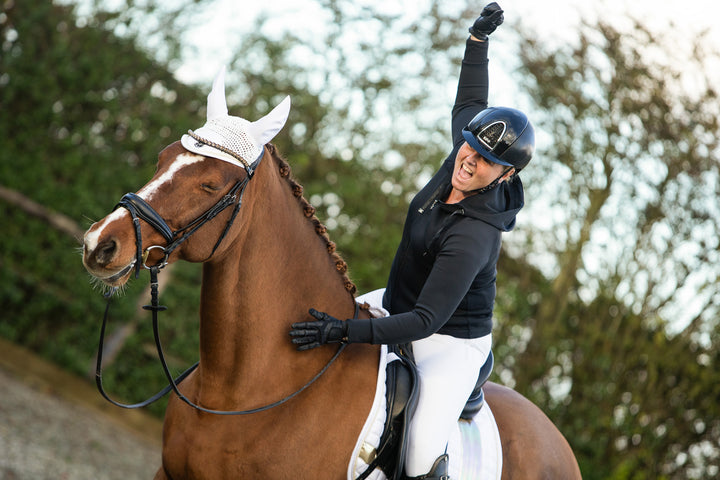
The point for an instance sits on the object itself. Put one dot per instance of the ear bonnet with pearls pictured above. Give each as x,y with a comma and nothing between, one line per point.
234,139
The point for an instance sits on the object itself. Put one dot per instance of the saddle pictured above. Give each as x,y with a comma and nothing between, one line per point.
401,399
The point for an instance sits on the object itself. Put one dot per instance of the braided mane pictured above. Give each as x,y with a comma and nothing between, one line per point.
309,211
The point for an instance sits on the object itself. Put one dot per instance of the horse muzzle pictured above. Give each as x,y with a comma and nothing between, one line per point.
109,250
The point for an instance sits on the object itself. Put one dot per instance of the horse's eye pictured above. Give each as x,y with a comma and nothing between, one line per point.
208,187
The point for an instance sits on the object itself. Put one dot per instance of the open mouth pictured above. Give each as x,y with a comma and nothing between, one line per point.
465,172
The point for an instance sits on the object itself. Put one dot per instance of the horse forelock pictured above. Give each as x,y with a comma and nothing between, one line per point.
309,212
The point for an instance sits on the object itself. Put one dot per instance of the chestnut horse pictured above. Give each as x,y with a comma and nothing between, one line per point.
265,264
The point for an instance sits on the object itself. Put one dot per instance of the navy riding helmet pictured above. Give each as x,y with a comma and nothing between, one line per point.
502,135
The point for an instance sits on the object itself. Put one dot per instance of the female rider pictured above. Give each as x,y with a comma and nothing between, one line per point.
441,289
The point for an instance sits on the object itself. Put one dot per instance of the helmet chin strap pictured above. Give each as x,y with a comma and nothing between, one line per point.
492,184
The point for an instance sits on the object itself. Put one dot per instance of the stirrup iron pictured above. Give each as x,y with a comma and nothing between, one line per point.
439,470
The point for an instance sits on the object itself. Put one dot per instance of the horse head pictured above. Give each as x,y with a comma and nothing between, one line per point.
198,184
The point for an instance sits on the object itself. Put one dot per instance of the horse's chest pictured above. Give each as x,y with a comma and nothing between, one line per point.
194,450
201,447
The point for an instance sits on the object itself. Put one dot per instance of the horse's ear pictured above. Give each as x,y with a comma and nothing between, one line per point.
216,105
265,129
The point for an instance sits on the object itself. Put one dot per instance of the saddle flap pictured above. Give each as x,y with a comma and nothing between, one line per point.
401,399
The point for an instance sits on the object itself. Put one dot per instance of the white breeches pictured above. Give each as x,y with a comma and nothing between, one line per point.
448,369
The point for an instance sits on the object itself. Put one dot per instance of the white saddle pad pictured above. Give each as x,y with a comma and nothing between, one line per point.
474,447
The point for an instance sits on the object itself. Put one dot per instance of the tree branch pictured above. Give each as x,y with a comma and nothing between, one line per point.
56,220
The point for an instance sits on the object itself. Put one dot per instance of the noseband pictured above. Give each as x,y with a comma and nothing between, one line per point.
140,209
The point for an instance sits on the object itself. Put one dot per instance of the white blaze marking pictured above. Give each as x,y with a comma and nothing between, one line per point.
147,192
91,238
180,162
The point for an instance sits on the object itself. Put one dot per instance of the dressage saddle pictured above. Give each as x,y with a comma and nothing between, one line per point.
401,399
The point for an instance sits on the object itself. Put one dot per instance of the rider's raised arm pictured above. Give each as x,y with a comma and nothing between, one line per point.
473,82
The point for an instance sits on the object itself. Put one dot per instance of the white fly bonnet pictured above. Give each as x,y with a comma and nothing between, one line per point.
233,139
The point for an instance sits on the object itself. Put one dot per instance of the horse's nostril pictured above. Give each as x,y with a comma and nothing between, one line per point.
106,251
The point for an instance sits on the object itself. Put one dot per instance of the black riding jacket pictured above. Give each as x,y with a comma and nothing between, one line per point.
442,279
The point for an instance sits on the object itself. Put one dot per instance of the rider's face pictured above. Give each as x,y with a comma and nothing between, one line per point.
472,171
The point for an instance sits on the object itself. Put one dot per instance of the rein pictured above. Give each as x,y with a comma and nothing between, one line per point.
173,383
140,209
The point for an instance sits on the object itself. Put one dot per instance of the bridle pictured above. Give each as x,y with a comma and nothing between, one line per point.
140,209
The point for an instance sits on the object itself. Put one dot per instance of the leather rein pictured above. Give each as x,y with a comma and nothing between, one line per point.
140,209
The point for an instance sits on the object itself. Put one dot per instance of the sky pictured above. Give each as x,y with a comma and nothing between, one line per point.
558,19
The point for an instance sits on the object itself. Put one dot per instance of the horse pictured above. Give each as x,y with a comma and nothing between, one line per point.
265,262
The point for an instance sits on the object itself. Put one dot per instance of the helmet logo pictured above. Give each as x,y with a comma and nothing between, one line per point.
491,135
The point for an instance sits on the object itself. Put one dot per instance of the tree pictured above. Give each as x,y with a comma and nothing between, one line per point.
85,114
619,347
587,308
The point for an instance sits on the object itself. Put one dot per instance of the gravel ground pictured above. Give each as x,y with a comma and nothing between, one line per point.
46,436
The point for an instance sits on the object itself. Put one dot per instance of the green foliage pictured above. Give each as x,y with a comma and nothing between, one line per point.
631,167
84,115
632,164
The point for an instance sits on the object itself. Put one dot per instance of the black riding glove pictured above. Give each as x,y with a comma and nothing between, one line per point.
490,18
327,329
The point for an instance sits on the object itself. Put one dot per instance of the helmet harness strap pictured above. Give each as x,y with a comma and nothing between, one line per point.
494,183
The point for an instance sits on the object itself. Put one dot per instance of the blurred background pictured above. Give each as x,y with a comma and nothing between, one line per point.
608,299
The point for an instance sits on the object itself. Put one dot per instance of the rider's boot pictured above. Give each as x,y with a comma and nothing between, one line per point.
439,470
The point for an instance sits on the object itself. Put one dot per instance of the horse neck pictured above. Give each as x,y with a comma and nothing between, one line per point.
273,272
